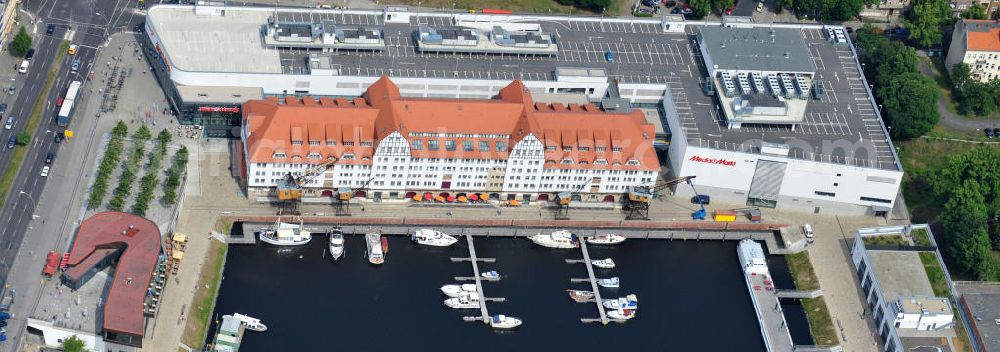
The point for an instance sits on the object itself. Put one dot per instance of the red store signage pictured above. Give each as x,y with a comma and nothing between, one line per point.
218,109
713,161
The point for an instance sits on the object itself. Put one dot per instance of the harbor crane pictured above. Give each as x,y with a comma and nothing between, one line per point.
563,200
637,198
342,198
290,189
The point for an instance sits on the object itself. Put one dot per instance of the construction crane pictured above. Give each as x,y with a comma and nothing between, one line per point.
563,200
342,199
637,198
290,189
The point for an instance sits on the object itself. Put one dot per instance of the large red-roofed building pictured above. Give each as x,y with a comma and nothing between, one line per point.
130,243
509,147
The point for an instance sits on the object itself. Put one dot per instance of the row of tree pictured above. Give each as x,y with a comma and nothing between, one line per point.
969,186
925,19
971,95
112,153
827,10
907,98
149,181
130,168
592,5
174,176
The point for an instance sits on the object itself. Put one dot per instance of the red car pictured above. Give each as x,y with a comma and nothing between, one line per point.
729,11
59,102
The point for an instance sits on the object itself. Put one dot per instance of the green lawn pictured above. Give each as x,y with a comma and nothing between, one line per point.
10,172
204,298
820,323
921,237
892,240
935,275
802,270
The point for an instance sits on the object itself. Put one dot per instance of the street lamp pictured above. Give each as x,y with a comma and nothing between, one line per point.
27,194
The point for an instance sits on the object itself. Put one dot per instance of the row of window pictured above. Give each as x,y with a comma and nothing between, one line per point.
567,148
458,135
450,145
333,143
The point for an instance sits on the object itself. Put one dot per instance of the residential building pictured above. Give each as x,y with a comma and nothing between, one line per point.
976,43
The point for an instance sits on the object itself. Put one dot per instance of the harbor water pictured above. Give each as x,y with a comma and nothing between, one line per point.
692,297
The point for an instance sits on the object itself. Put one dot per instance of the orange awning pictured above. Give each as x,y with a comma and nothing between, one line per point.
515,202
439,199
416,198
462,199
485,196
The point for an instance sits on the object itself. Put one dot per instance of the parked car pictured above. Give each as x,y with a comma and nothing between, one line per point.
676,10
59,102
3,108
670,3
702,199
609,56
49,157
687,11
45,171
644,11
30,54
989,132
996,132
76,65
729,11
807,230
59,137
11,90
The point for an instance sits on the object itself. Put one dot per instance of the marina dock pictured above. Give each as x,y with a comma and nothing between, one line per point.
593,286
773,327
484,313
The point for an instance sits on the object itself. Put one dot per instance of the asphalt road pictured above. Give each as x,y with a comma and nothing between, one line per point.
86,23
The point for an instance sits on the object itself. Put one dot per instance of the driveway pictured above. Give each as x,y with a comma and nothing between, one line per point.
948,118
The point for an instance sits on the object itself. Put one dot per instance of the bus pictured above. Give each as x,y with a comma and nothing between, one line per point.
67,106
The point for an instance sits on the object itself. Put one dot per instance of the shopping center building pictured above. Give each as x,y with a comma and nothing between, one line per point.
774,115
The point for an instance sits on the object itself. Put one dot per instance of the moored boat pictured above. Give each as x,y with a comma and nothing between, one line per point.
492,275
251,323
627,302
605,263
458,290
463,302
374,244
385,245
606,239
285,234
580,296
624,314
336,243
556,239
609,282
434,238
504,322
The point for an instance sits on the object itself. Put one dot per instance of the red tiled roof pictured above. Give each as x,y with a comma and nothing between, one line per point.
102,235
273,126
985,38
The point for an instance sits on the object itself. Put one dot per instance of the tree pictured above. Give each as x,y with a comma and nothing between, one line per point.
23,138
21,43
925,19
910,102
722,5
976,12
592,5
164,136
784,4
700,8
143,133
73,344
120,129
972,96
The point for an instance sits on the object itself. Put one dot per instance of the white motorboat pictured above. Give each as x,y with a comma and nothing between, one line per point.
434,238
251,323
458,290
609,282
464,302
605,263
624,314
285,234
374,243
336,243
492,275
504,322
606,239
627,302
557,239
580,296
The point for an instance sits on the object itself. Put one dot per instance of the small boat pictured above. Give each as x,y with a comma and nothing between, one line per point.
627,302
504,322
336,243
458,290
285,234
557,239
251,323
373,242
624,314
492,274
580,296
434,238
606,239
385,245
605,263
463,302
609,282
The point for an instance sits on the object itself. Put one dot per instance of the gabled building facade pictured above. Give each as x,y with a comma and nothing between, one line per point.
507,148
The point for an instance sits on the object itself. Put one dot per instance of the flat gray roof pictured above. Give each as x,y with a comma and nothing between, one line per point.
756,49
222,95
983,302
900,273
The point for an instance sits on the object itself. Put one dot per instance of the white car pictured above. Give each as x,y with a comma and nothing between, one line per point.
807,230
760,6
45,171
10,123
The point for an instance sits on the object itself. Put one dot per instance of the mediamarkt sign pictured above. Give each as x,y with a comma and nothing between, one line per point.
713,161
218,109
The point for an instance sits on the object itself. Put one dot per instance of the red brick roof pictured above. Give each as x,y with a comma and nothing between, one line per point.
276,127
102,235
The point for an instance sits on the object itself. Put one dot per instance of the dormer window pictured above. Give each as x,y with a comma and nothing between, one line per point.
616,149
600,149
366,144
331,142
567,161
600,162
567,148
348,156
632,162
280,155
313,155
296,142
314,143
550,147
348,143
584,149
